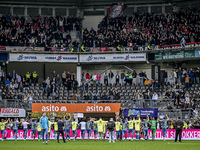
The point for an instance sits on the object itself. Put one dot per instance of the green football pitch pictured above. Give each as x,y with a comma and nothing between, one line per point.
100,145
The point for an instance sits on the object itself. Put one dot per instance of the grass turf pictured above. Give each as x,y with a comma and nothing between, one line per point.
99,145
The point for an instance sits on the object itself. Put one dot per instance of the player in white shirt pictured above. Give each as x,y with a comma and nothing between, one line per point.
25,128
83,128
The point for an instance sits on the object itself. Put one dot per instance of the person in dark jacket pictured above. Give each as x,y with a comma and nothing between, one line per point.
165,76
179,126
60,130
111,126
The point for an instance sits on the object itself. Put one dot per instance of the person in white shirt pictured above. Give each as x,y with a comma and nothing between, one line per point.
25,128
94,78
155,98
183,42
83,128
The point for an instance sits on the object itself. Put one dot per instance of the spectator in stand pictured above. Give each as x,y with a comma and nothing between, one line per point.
48,90
19,98
26,86
30,101
177,99
170,109
117,78
68,75
44,87
179,74
75,84
192,75
183,80
147,82
134,74
7,82
69,85
116,94
165,77
110,75
122,77
95,95
87,76
138,97
106,78
187,81
57,79
171,79
94,78
2,75
35,77
155,99
183,42
19,79
141,74
13,75
53,90
64,76
98,76
86,97
28,77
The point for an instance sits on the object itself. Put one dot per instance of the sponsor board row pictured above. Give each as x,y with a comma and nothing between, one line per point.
77,58
187,134
76,108
12,112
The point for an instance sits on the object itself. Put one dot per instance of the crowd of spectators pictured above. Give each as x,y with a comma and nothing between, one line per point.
147,29
38,31
178,92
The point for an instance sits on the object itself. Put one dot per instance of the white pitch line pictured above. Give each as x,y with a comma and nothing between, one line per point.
184,143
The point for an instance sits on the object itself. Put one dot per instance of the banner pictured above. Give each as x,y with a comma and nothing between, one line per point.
187,134
76,108
43,58
12,112
115,10
18,48
143,112
174,55
197,53
3,57
113,57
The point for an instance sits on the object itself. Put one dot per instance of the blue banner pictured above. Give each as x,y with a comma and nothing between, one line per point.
197,53
3,57
143,112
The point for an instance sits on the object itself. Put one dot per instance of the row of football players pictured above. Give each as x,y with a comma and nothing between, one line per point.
122,127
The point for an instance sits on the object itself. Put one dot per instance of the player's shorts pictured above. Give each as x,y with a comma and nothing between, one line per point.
33,131
89,131
15,131
74,131
164,129
145,131
130,131
25,131
124,131
38,132
118,132
67,131
2,132
83,131
95,132
55,131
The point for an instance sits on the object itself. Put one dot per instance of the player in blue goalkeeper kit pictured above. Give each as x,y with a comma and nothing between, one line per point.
33,129
165,126
67,125
15,128
44,124
124,129
145,128
89,125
